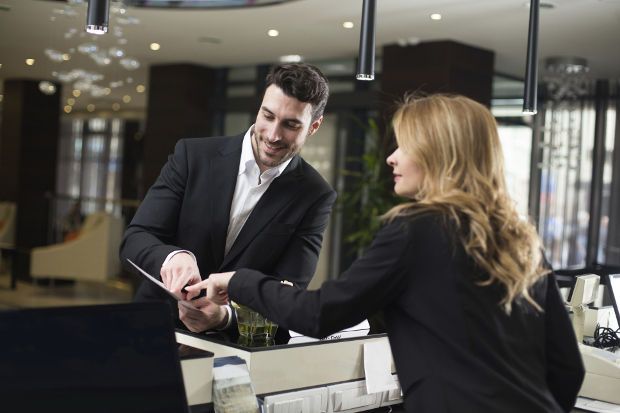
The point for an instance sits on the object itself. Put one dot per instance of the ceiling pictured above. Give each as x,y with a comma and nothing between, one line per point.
311,28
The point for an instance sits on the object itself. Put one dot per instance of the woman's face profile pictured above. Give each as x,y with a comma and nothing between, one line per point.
407,173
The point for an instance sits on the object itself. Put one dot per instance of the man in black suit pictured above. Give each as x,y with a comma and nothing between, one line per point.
223,203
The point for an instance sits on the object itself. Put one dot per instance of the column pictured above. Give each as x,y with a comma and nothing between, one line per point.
178,107
438,67
28,157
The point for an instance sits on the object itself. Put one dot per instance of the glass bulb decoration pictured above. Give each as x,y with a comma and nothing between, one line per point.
101,58
98,91
116,52
130,63
87,48
70,33
54,55
47,88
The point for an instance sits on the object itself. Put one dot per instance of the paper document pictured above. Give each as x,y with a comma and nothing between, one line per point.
357,330
161,285
378,367
598,406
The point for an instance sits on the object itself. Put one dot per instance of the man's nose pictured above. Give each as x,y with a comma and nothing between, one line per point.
273,134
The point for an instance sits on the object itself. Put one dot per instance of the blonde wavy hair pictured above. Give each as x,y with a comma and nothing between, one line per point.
454,140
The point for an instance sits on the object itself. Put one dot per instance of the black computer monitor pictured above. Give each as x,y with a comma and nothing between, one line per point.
107,358
613,285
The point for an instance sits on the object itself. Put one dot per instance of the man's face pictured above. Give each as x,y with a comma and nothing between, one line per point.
282,125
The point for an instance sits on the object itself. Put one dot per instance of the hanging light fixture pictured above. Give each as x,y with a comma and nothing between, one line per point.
566,78
366,58
98,16
530,89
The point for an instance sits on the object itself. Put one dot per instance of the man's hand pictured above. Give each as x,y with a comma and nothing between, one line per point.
178,272
205,314
216,286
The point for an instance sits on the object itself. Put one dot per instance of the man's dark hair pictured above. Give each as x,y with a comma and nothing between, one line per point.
302,81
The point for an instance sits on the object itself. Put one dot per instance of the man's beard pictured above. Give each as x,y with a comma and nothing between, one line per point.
267,160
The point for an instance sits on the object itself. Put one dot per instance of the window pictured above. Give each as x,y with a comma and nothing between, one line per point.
89,168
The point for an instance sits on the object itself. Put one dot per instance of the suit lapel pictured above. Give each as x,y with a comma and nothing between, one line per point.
280,193
223,173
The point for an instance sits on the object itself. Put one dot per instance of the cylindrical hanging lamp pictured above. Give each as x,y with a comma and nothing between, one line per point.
366,58
530,89
97,16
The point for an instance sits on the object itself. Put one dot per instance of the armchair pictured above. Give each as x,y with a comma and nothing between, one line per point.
92,256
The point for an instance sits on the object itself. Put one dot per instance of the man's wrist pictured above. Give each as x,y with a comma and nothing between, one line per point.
227,318
173,253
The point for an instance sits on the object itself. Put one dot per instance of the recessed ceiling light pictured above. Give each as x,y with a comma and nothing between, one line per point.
435,16
70,101
0,65
140,88
291,58
155,46
66,56
76,93
107,91
348,25
272,33
126,98
116,106
90,107
68,109
29,62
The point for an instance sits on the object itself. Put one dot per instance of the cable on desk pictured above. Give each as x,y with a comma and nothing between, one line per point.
605,337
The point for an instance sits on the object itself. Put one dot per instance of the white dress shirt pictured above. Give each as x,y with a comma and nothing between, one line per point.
251,185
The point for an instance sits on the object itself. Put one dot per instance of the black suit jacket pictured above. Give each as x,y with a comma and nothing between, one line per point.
454,348
188,208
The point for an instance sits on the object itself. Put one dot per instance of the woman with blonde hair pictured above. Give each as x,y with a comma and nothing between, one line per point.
475,322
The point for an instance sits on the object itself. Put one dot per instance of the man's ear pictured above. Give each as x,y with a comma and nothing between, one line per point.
314,126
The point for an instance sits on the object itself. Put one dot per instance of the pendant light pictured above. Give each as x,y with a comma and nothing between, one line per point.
530,90
97,16
366,58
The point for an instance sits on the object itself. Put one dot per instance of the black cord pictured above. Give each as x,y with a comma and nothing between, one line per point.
605,337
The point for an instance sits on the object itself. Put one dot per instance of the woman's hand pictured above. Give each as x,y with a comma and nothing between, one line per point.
216,286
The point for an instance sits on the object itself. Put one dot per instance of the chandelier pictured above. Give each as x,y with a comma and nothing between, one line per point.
566,78
104,52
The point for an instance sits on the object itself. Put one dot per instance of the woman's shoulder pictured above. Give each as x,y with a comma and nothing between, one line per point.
419,218
418,224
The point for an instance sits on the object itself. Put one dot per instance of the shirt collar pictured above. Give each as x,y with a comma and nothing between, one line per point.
247,163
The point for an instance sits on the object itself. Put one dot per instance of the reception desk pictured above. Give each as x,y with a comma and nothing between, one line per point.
318,376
